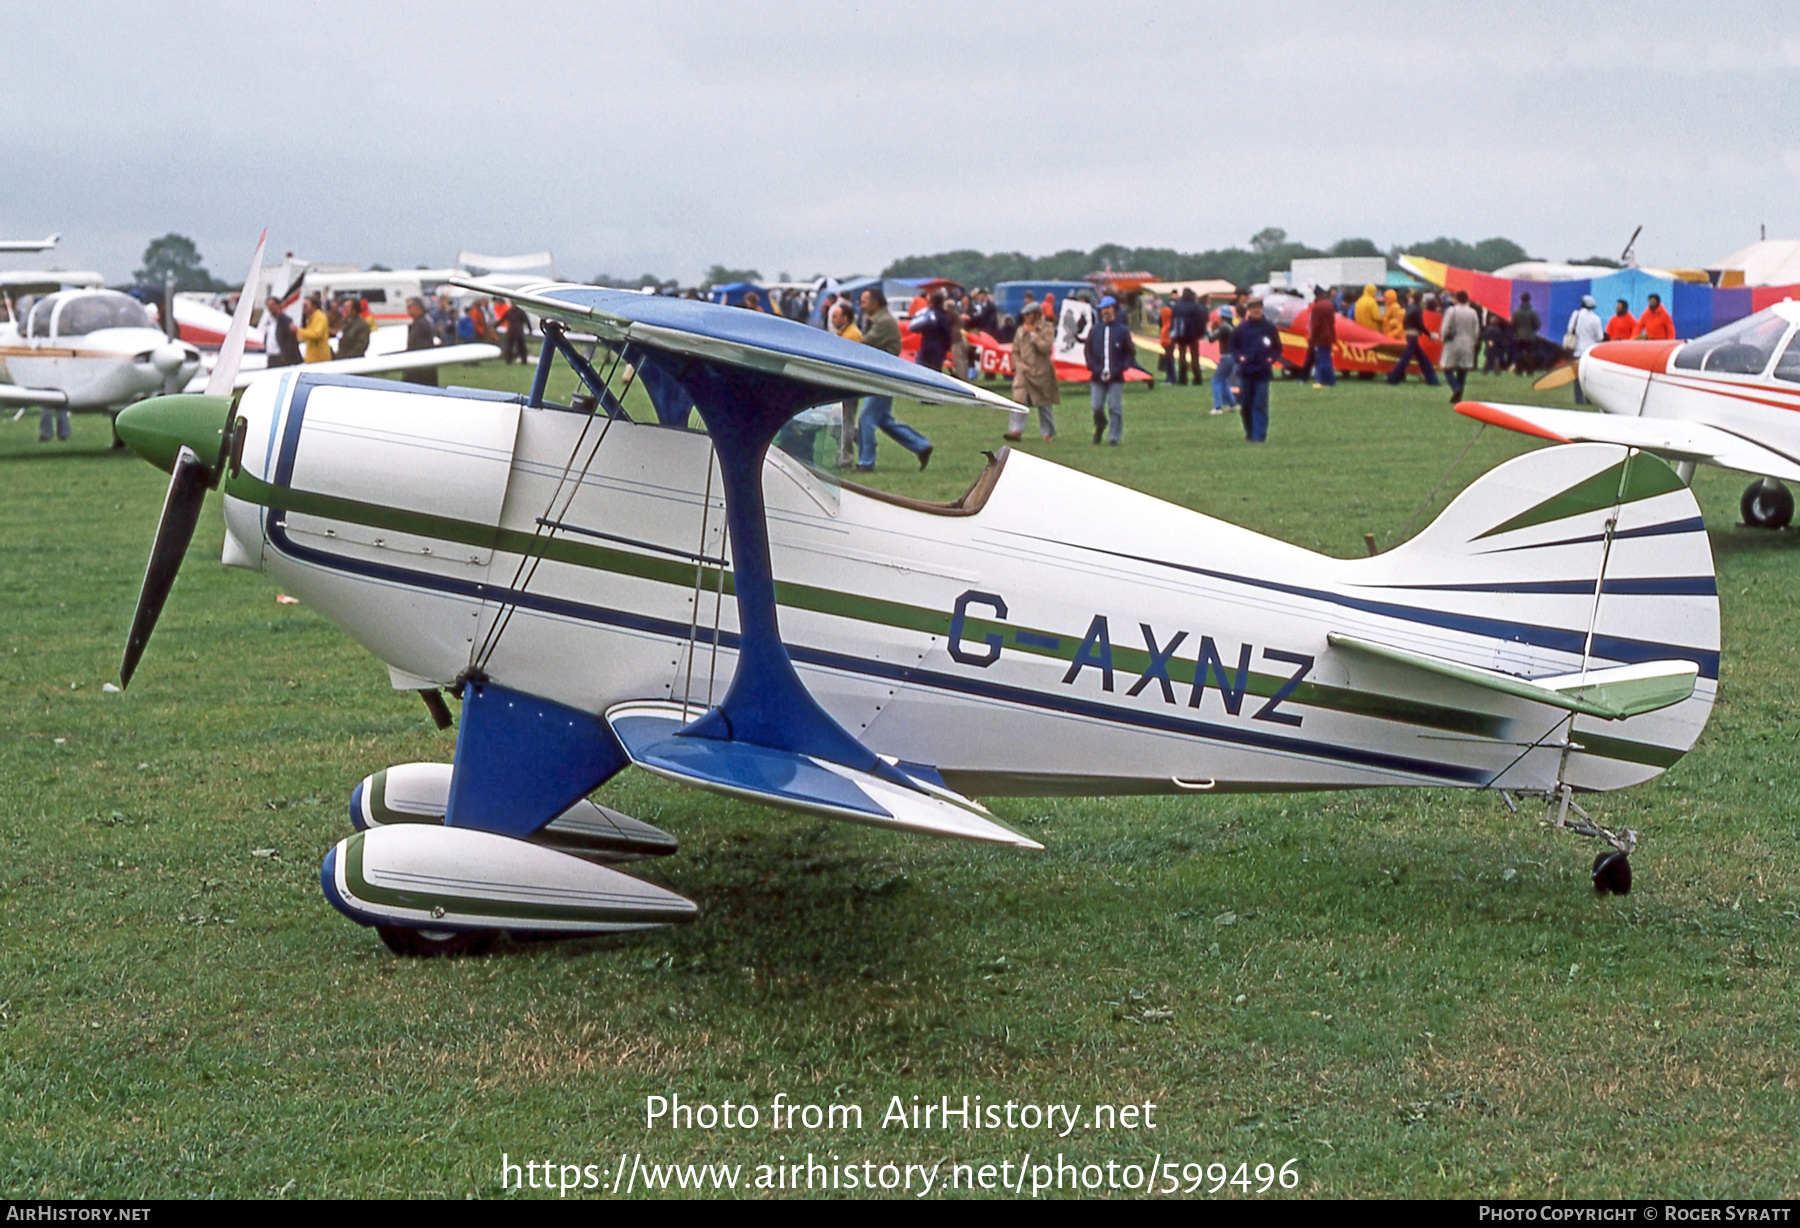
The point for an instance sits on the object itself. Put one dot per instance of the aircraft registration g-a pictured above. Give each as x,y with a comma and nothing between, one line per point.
90,350
603,586
1727,398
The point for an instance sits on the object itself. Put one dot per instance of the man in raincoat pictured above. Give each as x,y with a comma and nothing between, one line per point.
1368,311
1034,375
315,333
1393,317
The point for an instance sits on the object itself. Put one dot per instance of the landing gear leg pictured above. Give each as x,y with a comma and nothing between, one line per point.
1612,866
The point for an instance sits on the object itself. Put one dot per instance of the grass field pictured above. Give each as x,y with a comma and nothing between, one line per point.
1410,993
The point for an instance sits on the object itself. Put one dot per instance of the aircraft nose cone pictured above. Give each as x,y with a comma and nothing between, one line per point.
168,358
157,429
1652,356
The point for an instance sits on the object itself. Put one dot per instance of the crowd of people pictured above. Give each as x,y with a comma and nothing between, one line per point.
346,319
1248,344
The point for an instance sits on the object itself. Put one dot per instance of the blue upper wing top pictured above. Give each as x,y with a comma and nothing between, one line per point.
735,337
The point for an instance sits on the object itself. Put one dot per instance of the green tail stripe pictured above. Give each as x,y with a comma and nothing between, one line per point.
1638,476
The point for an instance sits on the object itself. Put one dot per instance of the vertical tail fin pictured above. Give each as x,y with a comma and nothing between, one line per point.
1567,560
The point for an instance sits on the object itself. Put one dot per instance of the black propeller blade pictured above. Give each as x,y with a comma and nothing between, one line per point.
181,512
150,427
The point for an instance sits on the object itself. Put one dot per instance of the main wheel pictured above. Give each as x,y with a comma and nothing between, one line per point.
1612,873
1767,504
429,944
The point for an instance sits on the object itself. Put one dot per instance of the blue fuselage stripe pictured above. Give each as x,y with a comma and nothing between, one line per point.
1069,705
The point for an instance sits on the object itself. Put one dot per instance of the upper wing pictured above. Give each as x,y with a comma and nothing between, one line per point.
1666,437
824,362
375,364
11,395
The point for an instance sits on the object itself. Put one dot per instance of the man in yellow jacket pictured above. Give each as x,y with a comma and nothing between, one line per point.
1393,317
315,333
1368,311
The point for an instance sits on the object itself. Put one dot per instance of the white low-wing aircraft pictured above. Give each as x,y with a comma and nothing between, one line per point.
1728,398
90,350
604,587
29,245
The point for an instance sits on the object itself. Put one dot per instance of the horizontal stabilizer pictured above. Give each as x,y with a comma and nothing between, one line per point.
420,793
790,781
1666,437
421,876
1612,694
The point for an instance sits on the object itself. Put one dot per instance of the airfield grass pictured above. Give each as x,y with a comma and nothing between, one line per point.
1411,993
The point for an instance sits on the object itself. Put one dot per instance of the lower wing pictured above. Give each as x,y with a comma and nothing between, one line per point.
375,364
27,397
1666,437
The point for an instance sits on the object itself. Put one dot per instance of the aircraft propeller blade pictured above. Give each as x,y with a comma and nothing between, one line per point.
180,514
1558,376
231,351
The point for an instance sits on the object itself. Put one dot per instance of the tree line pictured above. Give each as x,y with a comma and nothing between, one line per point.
1270,248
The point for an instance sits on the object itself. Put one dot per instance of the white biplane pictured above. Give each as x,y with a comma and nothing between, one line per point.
603,588
1728,398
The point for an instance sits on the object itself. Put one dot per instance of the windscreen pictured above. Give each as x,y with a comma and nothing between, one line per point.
1789,366
1743,348
89,313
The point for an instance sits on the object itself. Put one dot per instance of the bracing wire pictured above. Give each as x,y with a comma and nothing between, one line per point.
546,526
699,579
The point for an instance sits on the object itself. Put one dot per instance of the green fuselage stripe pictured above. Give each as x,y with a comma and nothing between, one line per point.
882,612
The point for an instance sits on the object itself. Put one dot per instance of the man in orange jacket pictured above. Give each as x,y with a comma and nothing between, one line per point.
1655,324
1623,326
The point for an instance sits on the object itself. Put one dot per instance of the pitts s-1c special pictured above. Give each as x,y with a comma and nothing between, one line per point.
606,586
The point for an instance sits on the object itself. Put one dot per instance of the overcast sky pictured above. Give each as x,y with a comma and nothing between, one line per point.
833,137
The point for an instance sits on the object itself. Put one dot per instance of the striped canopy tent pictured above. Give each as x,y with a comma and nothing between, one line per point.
1695,308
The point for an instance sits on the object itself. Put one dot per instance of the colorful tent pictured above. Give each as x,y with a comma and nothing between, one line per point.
732,293
1695,308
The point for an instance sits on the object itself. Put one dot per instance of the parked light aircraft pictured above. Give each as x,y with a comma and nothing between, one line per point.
91,350
29,245
610,583
1727,398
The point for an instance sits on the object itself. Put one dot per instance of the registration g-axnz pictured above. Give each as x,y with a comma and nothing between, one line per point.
671,593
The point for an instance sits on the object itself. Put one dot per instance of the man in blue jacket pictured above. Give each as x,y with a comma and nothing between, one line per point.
1110,353
1186,323
1256,345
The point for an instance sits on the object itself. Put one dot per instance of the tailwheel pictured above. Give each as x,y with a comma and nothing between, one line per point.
430,944
1612,873
1767,504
